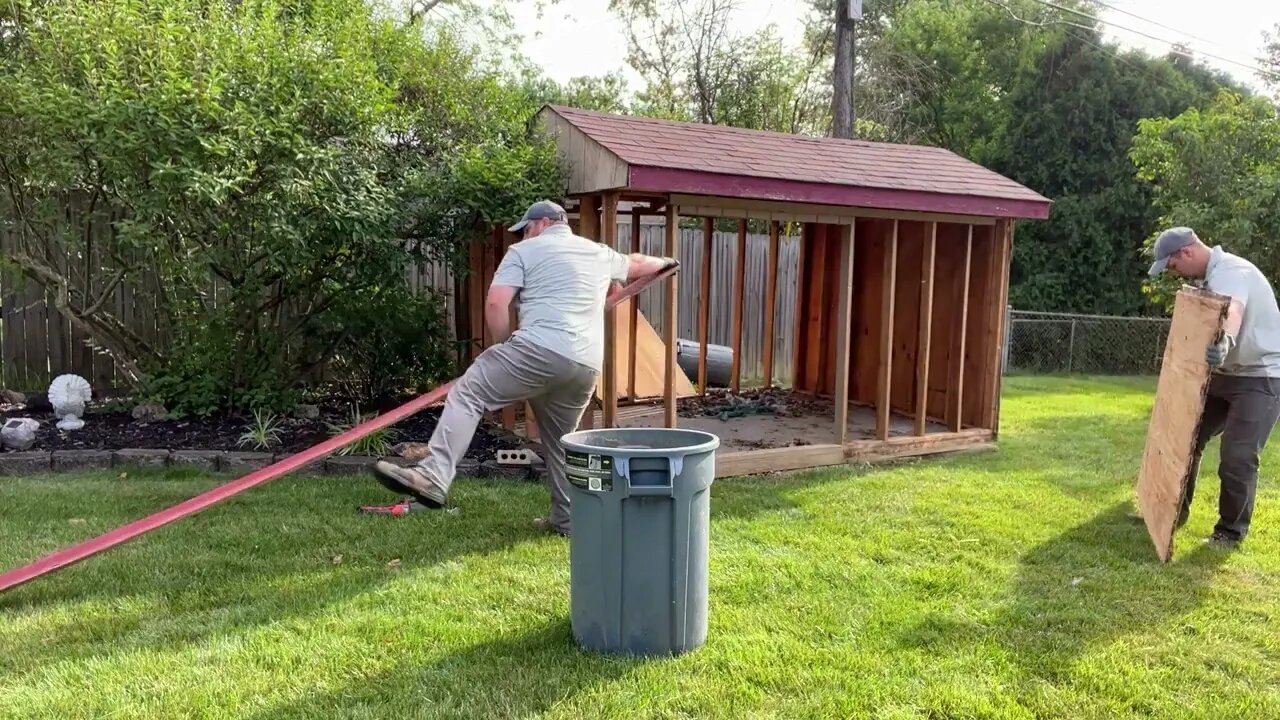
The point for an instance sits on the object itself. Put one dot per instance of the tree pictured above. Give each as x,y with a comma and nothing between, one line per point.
1270,60
696,69
1217,170
259,172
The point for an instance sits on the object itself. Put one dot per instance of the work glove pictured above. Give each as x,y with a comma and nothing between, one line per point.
1217,351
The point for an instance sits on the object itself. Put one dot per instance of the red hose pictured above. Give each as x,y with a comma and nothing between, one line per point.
125,533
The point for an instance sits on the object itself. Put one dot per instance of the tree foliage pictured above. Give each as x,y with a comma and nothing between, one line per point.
256,171
1217,170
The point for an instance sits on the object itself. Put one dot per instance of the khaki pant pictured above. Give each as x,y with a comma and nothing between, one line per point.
557,388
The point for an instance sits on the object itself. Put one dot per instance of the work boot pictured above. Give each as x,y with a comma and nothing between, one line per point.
544,525
1223,540
411,480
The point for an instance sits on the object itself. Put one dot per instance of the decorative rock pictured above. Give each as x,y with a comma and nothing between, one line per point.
12,397
140,458
16,464
307,412
149,413
410,450
68,394
19,434
64,460
202,459
244,462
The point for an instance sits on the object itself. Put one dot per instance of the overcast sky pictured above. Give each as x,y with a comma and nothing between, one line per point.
581,37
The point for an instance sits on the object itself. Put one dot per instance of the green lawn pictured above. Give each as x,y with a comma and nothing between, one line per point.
1002,585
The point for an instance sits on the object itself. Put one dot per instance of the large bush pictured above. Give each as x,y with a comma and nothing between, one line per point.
261,169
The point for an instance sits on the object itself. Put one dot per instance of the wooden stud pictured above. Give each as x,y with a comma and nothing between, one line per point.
815,313
752,462
770,300
704,302
955,384
672,236
1003,255
926,327
635,311
800,340
739,285
843,329
889,274
609,236
530,423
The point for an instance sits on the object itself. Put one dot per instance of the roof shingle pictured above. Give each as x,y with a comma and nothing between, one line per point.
646,142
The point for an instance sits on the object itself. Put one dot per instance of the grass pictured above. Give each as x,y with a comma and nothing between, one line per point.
1003,585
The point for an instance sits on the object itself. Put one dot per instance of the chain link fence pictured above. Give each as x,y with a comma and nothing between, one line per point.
1041,342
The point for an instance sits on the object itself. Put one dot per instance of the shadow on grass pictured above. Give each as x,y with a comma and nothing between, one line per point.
1092,584
280,552
518,676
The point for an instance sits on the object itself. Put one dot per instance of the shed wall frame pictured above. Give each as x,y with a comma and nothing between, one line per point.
900,312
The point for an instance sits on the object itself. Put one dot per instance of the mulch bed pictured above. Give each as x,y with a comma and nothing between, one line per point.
113,430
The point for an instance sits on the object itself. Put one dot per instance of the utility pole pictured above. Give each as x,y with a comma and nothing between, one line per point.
842,114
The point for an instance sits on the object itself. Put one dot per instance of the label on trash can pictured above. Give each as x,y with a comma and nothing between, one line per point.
589,471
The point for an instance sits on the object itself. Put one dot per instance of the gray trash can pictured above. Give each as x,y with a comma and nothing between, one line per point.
641,513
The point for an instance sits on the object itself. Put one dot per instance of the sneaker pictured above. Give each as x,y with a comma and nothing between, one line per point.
1222,540
411,480
544,525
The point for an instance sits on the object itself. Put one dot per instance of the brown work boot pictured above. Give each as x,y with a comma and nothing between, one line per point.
411,480
544,525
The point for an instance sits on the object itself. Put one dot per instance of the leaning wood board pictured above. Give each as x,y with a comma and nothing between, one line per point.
1198,316
650,359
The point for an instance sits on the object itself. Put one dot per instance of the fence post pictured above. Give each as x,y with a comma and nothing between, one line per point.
1071,347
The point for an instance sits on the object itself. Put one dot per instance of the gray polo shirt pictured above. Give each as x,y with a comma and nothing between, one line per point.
563,280
1257,349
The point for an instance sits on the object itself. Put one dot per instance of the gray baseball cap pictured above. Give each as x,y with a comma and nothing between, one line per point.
1170,242
541,210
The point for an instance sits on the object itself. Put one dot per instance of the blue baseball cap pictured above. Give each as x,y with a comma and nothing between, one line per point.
1170,242
541,210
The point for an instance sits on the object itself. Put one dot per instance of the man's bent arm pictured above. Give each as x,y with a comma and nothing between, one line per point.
497,311
641,266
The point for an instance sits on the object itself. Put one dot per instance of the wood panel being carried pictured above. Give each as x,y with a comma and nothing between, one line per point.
1198,317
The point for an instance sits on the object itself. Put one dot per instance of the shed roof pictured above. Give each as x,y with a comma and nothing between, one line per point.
644,154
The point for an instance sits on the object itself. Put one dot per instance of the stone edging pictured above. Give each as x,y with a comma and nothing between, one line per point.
17,464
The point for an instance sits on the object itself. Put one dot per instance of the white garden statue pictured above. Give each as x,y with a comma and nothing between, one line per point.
68,394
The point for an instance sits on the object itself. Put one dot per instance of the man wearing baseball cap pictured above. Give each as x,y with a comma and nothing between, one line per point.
552,360
1243,402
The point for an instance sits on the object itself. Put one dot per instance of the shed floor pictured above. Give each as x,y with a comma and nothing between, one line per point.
763,419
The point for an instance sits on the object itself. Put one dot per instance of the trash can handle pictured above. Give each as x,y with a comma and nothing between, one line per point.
675,466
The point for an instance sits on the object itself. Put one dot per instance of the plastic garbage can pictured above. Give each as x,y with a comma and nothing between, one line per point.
641,513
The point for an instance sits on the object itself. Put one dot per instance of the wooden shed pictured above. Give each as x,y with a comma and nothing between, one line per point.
903,276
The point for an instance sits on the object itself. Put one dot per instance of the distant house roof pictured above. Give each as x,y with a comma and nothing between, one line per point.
642,154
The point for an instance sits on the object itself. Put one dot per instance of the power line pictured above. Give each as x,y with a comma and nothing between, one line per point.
1094,18
1158,24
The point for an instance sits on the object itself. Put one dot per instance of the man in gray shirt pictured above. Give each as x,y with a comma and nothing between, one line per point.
552,360
1242,403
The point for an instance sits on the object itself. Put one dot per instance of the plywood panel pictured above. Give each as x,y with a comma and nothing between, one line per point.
869,236
1184,378
977,332
906,315
651,358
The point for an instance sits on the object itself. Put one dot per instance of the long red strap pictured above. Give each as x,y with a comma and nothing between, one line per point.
125,533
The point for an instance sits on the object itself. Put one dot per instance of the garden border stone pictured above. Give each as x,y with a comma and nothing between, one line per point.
30,462
201,459
139,457
67,460
244,462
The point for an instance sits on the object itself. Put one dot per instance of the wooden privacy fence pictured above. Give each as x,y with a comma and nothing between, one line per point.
37,344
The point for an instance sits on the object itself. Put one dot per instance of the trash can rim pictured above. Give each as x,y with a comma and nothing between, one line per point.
710,442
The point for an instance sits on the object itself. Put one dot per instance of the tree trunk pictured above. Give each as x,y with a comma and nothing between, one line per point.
842,93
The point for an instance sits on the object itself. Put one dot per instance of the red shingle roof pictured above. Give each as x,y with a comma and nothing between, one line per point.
726,151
